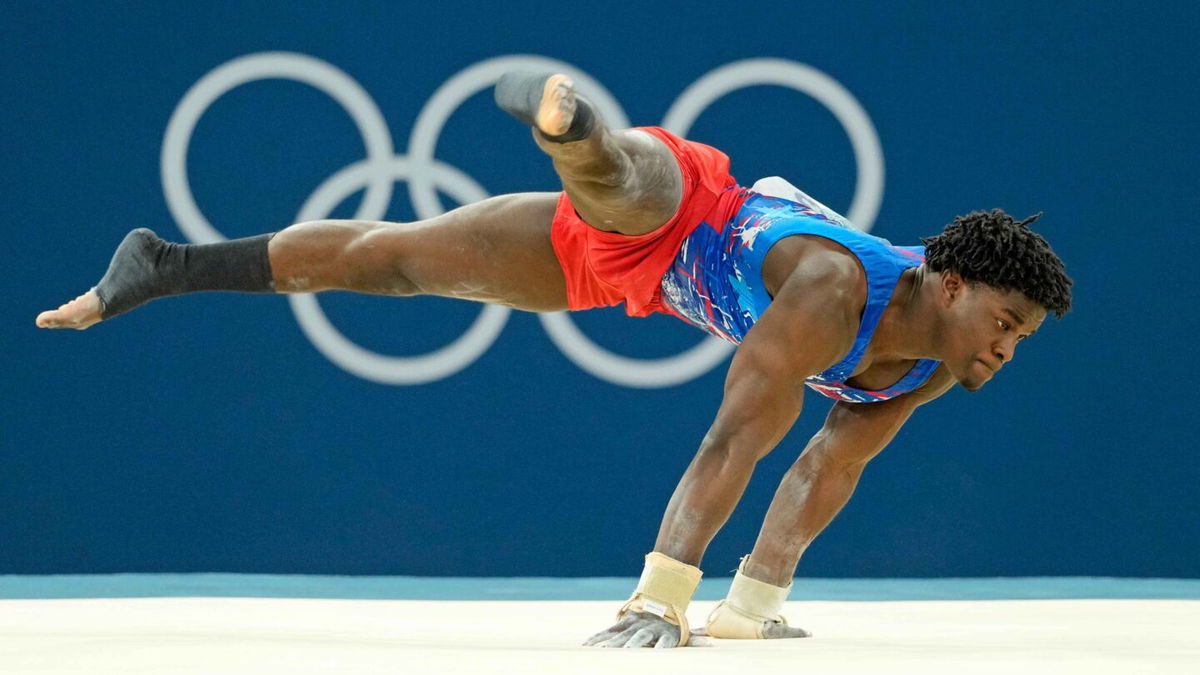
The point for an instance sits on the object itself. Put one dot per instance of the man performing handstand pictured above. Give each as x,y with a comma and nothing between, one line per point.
656,222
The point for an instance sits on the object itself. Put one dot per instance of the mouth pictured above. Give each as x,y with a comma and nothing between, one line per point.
988,367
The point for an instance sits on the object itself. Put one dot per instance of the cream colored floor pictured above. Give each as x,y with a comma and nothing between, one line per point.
263,636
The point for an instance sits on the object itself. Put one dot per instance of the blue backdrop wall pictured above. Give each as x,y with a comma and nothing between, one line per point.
208,433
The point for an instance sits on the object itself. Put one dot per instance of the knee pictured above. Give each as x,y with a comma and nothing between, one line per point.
349,255
657,176
307,256
653,186
376,261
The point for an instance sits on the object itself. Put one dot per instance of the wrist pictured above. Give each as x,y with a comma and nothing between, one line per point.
767,571
665,589
756,597
749,608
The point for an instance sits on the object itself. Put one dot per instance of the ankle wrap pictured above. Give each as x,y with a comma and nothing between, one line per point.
520,93
750,604
146,267
665,589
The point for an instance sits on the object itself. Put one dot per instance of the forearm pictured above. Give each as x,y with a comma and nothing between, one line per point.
764,393
703,501
810,495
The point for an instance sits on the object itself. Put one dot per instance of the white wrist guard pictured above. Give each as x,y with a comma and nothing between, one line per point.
665,589
748,607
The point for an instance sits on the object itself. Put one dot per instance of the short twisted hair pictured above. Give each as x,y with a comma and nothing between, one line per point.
994,249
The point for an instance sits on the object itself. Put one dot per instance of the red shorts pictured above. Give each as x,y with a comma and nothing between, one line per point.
606,268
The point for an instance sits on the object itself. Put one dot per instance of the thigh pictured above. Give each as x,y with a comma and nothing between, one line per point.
497,250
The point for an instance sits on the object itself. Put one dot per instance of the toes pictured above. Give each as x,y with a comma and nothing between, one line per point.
557,108
79,313
50,319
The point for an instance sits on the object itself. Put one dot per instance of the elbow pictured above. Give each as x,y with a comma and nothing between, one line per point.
828,460
720,450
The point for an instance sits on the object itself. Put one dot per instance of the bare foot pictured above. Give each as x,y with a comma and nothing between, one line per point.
557,107
79,313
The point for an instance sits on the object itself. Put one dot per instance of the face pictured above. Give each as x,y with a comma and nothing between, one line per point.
982,328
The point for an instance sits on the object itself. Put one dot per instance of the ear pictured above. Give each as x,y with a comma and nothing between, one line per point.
952,286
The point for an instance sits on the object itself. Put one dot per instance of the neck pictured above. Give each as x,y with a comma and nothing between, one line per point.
908,327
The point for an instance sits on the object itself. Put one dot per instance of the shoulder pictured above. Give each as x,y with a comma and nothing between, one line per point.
813,318
825,259
824,277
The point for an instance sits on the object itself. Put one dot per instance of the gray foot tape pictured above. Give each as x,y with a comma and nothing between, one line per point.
146,267
520,93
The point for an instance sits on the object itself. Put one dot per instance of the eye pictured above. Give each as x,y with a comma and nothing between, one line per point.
1004,325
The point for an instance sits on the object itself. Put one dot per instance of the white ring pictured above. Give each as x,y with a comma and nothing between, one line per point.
630,372
868,154
426,175
283,65
589,356
470,81
369,365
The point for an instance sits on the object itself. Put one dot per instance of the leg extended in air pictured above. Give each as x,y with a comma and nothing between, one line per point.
498,250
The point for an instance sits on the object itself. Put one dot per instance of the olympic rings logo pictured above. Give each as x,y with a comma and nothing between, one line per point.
426,175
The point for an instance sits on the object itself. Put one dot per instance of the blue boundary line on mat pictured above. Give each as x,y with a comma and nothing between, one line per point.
582,588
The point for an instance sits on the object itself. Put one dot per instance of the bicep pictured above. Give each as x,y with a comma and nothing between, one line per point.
800,333
759,405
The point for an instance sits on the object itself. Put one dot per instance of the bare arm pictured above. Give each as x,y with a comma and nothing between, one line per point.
821,481
809,324
801,333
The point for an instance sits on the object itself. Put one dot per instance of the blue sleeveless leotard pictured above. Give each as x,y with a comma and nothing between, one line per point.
716,283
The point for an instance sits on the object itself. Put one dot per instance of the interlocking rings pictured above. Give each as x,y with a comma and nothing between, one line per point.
426,175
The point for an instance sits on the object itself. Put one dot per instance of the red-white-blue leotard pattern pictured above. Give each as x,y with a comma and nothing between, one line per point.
716,282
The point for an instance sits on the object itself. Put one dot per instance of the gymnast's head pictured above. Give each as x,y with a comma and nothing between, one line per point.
996,282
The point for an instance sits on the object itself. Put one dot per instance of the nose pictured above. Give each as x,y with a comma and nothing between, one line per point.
1004,351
